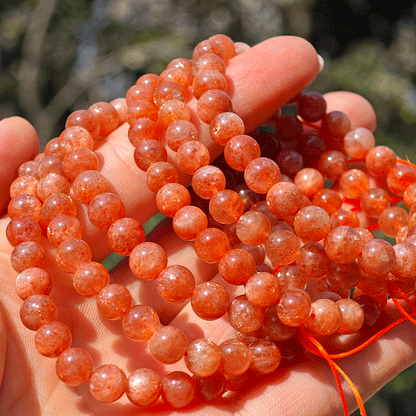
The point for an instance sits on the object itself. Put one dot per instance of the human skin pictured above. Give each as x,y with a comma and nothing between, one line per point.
262,79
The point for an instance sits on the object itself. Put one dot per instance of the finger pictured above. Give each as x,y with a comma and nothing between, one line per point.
261,80
18,143
356,107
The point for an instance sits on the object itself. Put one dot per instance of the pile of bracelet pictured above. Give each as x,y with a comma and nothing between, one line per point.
262,212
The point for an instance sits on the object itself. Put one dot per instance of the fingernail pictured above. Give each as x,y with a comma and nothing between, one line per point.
321,63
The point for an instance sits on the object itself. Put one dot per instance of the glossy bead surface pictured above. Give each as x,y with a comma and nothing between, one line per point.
74,366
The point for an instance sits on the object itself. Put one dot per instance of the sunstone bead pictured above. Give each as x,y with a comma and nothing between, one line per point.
290,277
144,129
211,103
313,261
84,119
33,281
332,164
149,151
240,150
209,61
377,257
188,222
139,91
79,160
207,181
140,323
175,283
226,206
274,328
282,247
191,156
37,310
380,160
114,301
169,90
400,177
210,300
312,224
244,316
104,209
178,75
168,344
25,184
236,266
144,387
74,366
25,205
265,356
27,254
142,109
342,244
284,199
171,197
253,228
120,106
325,317
52,183
178,389
159,174
106,117
125,234
31,168
108,383
227,44
89,278
23,229
352,316
211,244
224,126
309,181
73,137
236,357
171,111
180,132
263,289
147,260
203,357
208,80
52,163
71,253
58,204
88,184
354,183
261,174
294,307
52,339
63,227
358,142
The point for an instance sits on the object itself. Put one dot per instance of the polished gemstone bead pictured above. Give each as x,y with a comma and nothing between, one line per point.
74,137
263,289
63,227
343,244
160,174
175,284
104,209
211,387
327,199
120,106
208,46
27,254
312,224
106,117
207,181
211,103
226,206
37,310
58,204
114,301
52,183
144,129
144,387
88,185
325,317
210,300
208,80
209,61
236,357
79,160
358,142
274,328
244,316
309,181
89,278
313,261
23,229
53,338
211,244
168,344
178,389
203,357
182,63
265,356
240,150
405,265
180,132
284,199
51,164
25,205
140,323
149,79
148,152
74,366
332,164
253,228
224,126
227,44
141,109
125,234
294,307
178,75
169,90
171,111
290,277
140,91
33,281
377,257
25,184
380,160
84,119
237,266
31,168
392,219
71,253
191,156
147,260
108,383
354,183
189,221
282,247
352,316
53,148
171,197
400,177
261,174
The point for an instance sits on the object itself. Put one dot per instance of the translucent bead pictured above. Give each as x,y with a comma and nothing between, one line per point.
209,61
169,90
274,328
120,106
227,44
248,196
236,357
203,357
30,168
180,132
74,366
23,229
211,387
290,162
358,142
332,164
240,150
140,323
149,79
327,199
27,254
71,253
311,106
400,177
175,284
294,307
147,260
79,160
178,75
84,119
52,339
313,261
108,383
336,124
51,164
63,227
344,217
265,356
311,224
144,387
168,344
191,156
88,185
325,317
409,195
37,310
178,389
208,80
182,63
25,184
380,160
33,281
374,202
211,244
58,204
140,91
224,126
282,247
160,174
226,206
171,111
261,174
74,137
377,257
284,199
170,198
148,152
244,316
210,300
392,220
53,147
144,129
257,252
211,103
343,244
352,316
354,183
25,205
125,234
89,278
208,46
370,307
290,277
253,228
104,209
405,266
309,181
106,116
237,266
52,183
207,181
263,289
188,222
114,301
142,109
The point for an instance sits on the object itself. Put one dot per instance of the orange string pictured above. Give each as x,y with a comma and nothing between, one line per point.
406,162
396,287
396,199
314,126
372,227
277,268
355,160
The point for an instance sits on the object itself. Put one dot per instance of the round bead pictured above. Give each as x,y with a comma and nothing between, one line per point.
207,181
108,383
188,222
343,244
203,357
294,307
263,289
63,227
168,344
71,253
175,284
23,229
282,247
265,356
191,156
253,228
33,281
211,103
181,132
261,174
178,389
237,266
125,234
171,197
114,301
52,339
210,300
226,206
211,244
89,278
240,150
104,209
37,310
140,323
74,366
27,254
88,184
224,126
144,129
147,260
244,316
144,387
236,357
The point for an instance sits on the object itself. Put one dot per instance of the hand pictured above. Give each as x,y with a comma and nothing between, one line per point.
262,80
